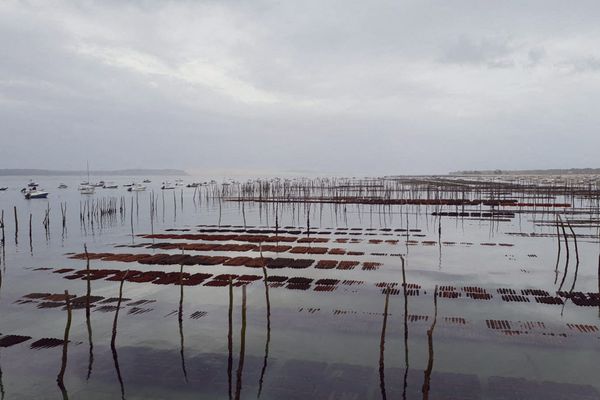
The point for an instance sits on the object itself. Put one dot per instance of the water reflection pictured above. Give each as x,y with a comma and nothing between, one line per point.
230,338
255,369
405,380
2,393
180,320
63,365
87,314
427,373
268,302
113,339
2,229
240,369
382,346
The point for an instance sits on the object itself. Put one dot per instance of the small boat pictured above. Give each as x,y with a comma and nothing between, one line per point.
62,186
110,185
178,182
2,189
99,184
128,184
167,186
32,184
33,193
86,189
147,181
193,185
136,188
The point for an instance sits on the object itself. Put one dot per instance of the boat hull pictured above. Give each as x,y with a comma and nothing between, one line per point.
41,195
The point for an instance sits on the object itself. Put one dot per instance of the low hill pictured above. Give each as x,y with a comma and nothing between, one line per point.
570,171
117,172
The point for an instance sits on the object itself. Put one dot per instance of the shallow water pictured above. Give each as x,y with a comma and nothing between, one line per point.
311,340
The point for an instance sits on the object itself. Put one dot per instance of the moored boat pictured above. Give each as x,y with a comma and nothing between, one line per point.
110,185
86,189
136,188
34,193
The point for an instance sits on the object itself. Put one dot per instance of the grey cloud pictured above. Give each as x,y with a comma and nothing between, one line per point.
586,64
536,56
491,52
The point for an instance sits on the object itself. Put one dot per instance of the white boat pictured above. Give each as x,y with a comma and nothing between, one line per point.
147,181
110,185
167,186
32,184
99,184
193,185
62,186
33,193
136,188
86,189
178,182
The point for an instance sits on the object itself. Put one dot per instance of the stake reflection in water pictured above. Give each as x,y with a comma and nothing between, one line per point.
87,313
2,393
405,329
180,320
382,346
2,227
427,378
240,369
268,301
63,366
113,339
230,336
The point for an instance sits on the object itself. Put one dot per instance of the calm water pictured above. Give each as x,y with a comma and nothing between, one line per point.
312,340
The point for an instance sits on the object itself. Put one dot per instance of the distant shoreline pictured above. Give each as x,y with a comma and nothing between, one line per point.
117,172
570,171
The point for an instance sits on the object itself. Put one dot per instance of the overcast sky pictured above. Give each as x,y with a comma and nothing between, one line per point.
345,87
